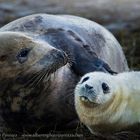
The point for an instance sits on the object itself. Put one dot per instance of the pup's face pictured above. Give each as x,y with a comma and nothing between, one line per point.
95,88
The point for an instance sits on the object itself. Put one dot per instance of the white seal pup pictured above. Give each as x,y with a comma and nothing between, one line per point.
108,103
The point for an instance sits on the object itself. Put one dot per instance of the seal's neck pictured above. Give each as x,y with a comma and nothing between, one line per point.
58,92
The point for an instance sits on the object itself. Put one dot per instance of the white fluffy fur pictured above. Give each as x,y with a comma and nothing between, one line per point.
118,109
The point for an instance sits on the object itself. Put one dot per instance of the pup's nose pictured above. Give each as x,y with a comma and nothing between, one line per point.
88,87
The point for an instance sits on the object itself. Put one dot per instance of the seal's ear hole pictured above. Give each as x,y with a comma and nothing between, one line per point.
3,58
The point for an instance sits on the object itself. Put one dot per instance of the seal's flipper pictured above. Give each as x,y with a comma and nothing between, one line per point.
83,65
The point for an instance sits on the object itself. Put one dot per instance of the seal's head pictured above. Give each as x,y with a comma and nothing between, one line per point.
95,89
97,99
25,64
21,54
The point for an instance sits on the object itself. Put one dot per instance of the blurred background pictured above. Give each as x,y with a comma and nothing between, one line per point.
121,17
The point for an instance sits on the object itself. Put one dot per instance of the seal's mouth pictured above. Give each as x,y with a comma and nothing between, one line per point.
86,101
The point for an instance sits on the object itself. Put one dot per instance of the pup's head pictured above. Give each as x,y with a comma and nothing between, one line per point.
95,88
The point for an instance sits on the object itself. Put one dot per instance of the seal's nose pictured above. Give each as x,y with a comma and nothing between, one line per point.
63,56
88,87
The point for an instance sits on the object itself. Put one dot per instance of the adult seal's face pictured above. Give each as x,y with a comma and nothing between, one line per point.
20,56
95,89
24,65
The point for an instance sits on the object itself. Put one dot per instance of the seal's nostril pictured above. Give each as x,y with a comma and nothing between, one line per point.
62,55
88,87
65,57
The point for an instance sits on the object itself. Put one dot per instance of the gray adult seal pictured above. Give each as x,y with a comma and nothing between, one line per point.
42,58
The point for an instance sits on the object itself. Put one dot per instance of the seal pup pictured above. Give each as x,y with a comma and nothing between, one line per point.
108,103
66,47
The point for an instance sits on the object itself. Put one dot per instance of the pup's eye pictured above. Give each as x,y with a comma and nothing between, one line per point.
105,88
22,55
85,79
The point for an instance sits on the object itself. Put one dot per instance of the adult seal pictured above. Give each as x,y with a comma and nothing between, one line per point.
42,58
108,103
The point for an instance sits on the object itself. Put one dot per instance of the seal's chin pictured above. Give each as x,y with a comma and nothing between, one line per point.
87,102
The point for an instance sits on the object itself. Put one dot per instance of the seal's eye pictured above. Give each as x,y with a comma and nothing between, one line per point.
22,55
105,88
85,79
